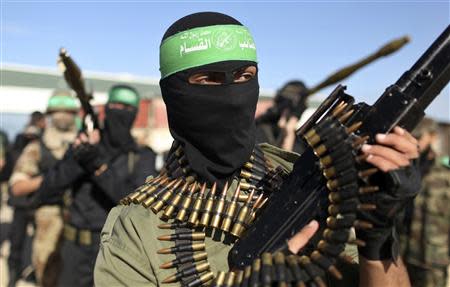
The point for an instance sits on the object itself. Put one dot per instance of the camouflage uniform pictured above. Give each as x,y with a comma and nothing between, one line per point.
427,249
48,219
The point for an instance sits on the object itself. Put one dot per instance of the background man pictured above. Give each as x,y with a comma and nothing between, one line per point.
36,159
99,171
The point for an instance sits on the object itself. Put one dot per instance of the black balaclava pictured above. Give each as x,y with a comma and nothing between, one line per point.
117,129
214,123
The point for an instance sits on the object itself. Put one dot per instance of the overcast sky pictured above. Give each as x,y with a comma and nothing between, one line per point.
295,39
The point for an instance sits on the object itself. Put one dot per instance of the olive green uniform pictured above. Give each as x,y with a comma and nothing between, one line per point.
128,249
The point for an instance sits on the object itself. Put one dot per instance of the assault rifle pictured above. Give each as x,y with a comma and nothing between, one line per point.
74,78
327,172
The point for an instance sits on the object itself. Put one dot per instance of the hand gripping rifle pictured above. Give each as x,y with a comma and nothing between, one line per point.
74,78
330,179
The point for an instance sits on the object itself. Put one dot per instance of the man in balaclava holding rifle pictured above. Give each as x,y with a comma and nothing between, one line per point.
99,168
179,226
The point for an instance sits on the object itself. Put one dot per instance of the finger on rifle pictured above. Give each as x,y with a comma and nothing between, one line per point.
389,154
399,142
302,237
402,132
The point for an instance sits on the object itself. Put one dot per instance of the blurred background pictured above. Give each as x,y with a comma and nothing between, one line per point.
118,42
114,41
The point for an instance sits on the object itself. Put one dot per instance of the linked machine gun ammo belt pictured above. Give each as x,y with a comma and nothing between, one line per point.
331,180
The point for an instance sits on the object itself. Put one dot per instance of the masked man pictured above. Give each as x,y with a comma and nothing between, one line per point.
98,170
36,159
278,124
176,228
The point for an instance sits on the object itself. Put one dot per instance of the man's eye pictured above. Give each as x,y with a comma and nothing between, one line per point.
243,77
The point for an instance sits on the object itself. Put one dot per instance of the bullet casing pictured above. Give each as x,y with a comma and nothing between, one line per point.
229,215
204,278
239,223
204,221
218,213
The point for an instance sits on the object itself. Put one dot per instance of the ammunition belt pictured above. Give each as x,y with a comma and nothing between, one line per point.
179,196
185,199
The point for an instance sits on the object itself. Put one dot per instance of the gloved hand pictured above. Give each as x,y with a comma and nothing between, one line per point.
86,152
400,182
397,188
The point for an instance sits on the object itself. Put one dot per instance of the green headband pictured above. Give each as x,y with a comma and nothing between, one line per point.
123,95
205,45
62,102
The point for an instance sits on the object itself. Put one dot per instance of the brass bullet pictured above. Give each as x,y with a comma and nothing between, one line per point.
229,279
254,277
246,186
320,150
206,215
239,223
266,269
220,206
280,268
253,209
311,133
247,274
203,279
162,201
359,141
191,257
353,127
148,190
173,225
254,167
190,270
231,210
250,176
149,201
306,263
244,197
346,116
368,172
239,278
368,189
175,201
325,263
193,217
296,271
329,172
186,203
326,161
180,248
220,279
339,109
194,236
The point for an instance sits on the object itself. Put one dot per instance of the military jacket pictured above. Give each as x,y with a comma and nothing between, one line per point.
133,252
